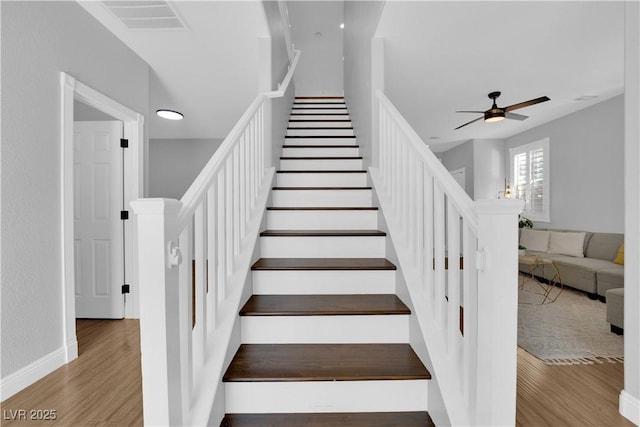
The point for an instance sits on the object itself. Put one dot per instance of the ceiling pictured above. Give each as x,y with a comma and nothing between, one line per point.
441,57
447,56
207,70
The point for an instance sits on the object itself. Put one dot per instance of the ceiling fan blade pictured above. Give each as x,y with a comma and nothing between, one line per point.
527,103
468,123
515,116
466,111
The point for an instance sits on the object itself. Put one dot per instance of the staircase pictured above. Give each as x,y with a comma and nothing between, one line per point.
324,337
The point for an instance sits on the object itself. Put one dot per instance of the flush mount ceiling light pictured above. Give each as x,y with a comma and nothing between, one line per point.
342,26
169,114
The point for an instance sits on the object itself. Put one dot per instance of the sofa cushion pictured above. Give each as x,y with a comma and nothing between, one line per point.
620,257
604,246
580,273
567,243
610,278
535,240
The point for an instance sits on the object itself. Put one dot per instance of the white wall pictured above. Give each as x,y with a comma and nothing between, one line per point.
175,163
360,22
320,68
39,40
488,167
630,398
587,167
461,157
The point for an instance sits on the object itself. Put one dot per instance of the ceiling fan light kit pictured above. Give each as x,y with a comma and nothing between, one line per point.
496,114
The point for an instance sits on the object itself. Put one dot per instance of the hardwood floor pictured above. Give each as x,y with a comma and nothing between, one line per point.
576,395
103,386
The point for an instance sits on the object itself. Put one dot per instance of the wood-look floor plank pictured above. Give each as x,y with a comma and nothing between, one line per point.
325,362
323,305
323,264
102,387
372,419
576,395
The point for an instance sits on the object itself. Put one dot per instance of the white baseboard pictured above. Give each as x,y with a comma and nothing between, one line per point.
630,407
31,373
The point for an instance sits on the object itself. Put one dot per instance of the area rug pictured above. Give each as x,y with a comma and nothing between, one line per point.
571,330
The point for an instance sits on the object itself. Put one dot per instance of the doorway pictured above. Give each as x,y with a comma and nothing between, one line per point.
99,233
131,124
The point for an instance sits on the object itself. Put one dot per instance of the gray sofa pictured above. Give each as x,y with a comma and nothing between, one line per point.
594,274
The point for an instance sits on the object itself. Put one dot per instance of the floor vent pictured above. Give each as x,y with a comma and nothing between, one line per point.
146,15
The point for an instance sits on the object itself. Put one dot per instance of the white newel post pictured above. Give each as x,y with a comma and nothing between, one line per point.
497,311
159,310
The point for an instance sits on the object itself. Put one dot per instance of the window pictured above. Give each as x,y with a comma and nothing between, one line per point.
530,178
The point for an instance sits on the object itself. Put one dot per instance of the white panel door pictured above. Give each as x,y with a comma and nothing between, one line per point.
98,229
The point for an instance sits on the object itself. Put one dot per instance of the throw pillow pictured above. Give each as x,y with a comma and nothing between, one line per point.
534,240
620,258
569,243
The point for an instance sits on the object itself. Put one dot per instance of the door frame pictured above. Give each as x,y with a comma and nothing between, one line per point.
133,124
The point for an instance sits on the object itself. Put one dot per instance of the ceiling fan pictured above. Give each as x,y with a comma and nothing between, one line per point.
495,113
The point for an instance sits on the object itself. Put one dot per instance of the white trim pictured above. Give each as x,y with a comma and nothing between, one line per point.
629,407
31,373
134,131
544,144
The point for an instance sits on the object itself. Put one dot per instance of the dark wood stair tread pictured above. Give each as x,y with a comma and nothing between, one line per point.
325,362
321,188
330,419
322,171
322,233
323,158
320,146
320,97
320,128
320,120
324,305
318,114
319,136
323,264
313,208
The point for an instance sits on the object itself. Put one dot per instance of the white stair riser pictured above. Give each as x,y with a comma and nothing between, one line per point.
338,103
313,100
321,198
328,116
319,179
326,396
321,152
320,141
320,164
322,220
323,282
363,329
322,246
321,132
312,124
326,110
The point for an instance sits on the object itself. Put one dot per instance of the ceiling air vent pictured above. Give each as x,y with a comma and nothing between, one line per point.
146,15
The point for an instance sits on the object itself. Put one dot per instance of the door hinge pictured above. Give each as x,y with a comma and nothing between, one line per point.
124,215
126,288
124,143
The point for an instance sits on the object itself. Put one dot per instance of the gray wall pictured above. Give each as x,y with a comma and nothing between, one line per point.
461,157
488,168
320,69
175,163
587,167
39,40
361,20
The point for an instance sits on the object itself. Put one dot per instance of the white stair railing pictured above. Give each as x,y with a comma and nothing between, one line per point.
194,257
459,259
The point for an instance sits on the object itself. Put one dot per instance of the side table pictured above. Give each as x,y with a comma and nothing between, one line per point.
539,265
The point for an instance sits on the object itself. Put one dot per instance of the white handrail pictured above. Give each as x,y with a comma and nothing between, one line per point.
194,257
459,260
